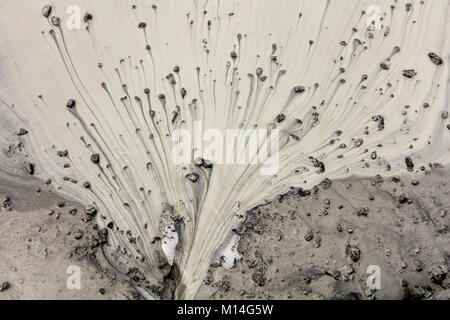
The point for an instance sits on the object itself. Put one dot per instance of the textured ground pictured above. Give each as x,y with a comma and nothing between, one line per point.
294,248
302,246
41,235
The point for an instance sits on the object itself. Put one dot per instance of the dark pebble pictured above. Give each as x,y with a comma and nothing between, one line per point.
29,167
353,252
46,11
435,58
409,73
95,158
4,286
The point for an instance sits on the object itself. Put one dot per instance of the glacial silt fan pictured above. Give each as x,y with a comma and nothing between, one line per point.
102,86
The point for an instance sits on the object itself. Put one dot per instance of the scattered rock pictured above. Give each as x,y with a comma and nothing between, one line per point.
95,158
419,265
193,177
258,278
384,66
6,203
21,132
4,286
78,235
409,164
438,271
46,11
309,235
409,73
29,167
419,293
362,212
87,17
63,153
90,211
56,21
435,58
353,252
70,104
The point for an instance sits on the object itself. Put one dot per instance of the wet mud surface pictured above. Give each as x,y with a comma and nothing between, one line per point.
319,246
42,238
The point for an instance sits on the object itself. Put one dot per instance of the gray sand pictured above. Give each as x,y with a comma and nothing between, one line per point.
37,247
294,248
402,230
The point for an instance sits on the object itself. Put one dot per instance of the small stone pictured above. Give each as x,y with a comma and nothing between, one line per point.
419,293
101,291
193,177
358,142
90,211
418,265
4,286
46,11
353,252
63,153
280,118
70,104
384,66
29,167
438,271
409,164
87,17
309,235
403,199
362,212
95,158
21,132
415,182
409,73
435,58
258,278
55,21
6,203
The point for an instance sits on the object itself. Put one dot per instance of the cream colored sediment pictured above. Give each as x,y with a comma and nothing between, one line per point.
42,66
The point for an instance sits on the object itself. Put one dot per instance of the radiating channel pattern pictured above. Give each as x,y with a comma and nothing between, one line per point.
354,88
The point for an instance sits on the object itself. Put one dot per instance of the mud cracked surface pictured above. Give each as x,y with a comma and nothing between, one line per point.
319,246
